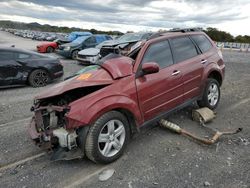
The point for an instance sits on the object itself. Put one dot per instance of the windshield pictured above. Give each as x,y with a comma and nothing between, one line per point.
130,37
84,70
99,46
80,40
71,36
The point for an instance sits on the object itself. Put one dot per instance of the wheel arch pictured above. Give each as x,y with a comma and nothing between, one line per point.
37,68
122,104
50,47
130,117
215,75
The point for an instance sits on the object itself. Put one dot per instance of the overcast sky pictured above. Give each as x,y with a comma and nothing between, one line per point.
125,15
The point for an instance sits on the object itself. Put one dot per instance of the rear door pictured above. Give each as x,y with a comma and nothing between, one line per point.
162,91
206,48
190,61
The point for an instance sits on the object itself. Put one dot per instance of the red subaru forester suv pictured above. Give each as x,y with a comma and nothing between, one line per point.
94,113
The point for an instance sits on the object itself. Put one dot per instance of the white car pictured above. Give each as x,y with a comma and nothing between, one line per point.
90,55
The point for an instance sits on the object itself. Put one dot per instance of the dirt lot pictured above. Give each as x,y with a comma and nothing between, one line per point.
154,158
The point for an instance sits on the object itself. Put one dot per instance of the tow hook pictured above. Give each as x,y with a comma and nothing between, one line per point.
202,115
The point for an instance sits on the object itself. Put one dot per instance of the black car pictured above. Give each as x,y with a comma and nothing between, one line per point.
20,67
70,50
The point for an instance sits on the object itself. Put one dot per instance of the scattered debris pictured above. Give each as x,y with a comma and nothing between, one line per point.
106,174
206,184
13,172
202,115
130,184
177,129
244,141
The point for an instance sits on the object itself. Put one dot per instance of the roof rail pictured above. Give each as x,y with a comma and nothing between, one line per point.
184,30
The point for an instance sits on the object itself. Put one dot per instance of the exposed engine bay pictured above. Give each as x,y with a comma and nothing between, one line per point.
51,125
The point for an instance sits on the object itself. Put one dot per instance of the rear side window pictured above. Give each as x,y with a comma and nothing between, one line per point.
183,49
202,41
160,53
4,55
23,56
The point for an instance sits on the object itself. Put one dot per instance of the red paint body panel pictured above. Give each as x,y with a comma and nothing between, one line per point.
119,95
98,77
159,92
119,67
42,48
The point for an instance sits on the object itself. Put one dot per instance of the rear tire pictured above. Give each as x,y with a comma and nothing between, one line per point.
211,94
107,138
39,78
49,49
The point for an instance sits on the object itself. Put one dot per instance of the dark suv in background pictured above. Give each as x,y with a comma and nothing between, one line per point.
97,111
70,50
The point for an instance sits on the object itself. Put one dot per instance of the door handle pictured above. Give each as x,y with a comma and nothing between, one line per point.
176,72
203,61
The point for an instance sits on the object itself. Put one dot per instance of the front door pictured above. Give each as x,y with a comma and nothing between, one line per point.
8,69
162,91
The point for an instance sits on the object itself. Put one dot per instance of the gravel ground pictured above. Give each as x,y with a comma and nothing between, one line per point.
154,158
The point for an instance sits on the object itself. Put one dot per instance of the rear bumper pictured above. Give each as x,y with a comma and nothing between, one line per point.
56,71
57,74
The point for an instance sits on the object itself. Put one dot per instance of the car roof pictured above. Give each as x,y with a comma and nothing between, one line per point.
14,49
169,34
81,33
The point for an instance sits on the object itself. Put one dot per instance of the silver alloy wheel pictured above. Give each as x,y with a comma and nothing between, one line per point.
111,138
213,94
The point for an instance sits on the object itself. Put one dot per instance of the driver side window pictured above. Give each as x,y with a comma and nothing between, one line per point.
160,53
5,55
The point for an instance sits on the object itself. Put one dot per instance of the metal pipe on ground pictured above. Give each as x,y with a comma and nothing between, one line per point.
175,128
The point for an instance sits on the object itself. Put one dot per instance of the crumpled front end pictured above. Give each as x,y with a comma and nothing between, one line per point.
48,129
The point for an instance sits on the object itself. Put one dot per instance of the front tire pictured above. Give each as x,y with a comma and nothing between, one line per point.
211,95
107,138
39,78
74,54
50,49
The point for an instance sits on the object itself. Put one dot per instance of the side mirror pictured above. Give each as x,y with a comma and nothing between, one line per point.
150,68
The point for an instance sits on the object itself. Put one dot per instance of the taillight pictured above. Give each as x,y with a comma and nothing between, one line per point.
220,54
60,62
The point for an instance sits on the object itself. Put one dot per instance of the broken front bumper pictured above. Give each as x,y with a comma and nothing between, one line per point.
48,128
48,134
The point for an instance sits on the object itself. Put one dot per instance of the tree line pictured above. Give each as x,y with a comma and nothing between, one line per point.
222,36
213,33
49,28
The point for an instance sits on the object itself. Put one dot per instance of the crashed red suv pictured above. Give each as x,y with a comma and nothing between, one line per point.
95,113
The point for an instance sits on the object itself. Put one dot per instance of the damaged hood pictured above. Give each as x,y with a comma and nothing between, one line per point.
111,70
92,78
90,52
